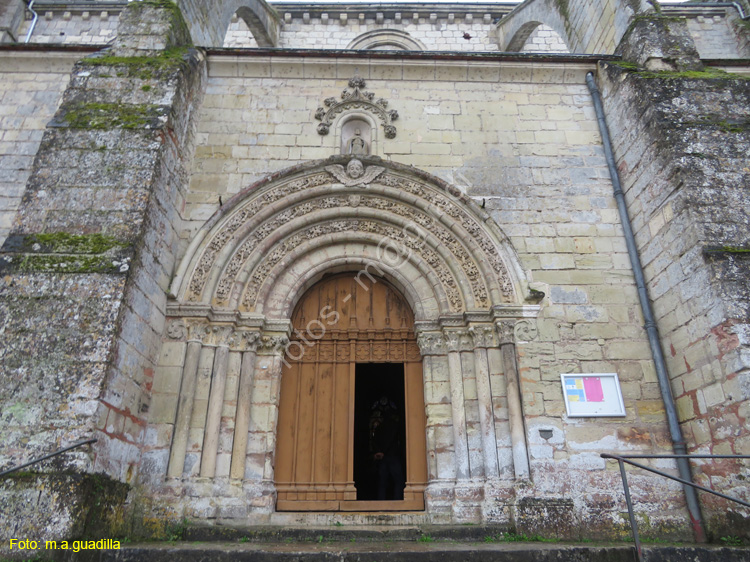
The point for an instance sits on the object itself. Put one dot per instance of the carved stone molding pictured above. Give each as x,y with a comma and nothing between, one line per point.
177,330
483,335
525,330
469,224
505,331
355,97
225,235
244,340
272,344
423,221
261,272
236,339
431,343
355,173
218,335
459,340
254,236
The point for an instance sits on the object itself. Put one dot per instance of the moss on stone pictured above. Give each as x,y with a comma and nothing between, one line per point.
735,249
159,4
733,127
112,116
62,242
61,263
624,64
740,250
60,252
144,68
564,9
709,73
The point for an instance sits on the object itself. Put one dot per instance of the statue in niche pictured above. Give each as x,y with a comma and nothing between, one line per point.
358,146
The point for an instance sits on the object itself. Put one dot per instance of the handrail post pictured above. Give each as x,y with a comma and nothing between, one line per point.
631,514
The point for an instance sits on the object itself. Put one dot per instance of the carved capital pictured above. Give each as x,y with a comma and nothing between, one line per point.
483,335
272,344
431,343
505,332
459,340
244,340
197,331
218,335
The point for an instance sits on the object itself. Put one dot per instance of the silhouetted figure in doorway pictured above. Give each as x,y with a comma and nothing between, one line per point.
385,447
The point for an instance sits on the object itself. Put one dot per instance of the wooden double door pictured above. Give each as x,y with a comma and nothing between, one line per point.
353,362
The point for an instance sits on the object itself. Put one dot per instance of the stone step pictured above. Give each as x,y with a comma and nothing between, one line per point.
343,533
403,551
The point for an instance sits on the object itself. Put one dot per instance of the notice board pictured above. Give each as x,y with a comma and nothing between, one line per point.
592,394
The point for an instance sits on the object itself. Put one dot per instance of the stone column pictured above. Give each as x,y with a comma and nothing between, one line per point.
185,402
460,439
244,400
441,466
261,491
483,338
215,405
515,409
273,412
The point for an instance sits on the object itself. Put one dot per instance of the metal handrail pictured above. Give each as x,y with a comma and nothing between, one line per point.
49,456
621,459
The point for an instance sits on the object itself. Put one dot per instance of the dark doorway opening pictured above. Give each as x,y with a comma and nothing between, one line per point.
379,423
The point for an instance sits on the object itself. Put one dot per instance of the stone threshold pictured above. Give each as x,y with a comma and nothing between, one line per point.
343,533
387,551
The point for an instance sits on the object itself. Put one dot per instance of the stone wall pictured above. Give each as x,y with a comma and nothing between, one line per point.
11,14
31,85
443,32
585,27
91,251
681,148
544,39
718,35
718,32
522,141
136,160
79,27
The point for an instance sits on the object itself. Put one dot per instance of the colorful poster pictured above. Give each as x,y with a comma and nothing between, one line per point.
574,390
592,394
592,386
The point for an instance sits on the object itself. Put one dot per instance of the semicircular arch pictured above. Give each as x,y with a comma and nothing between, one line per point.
270,241
380,38
520,41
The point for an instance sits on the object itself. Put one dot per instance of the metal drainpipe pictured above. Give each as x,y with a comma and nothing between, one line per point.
662,376
33,22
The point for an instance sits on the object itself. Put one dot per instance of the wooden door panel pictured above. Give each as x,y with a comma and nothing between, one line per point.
339,322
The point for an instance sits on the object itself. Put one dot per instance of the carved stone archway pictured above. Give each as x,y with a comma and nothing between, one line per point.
246,269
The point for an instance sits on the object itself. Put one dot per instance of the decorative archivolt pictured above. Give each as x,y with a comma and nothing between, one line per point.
395,222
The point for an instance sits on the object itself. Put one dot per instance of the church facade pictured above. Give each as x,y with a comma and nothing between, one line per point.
239,238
